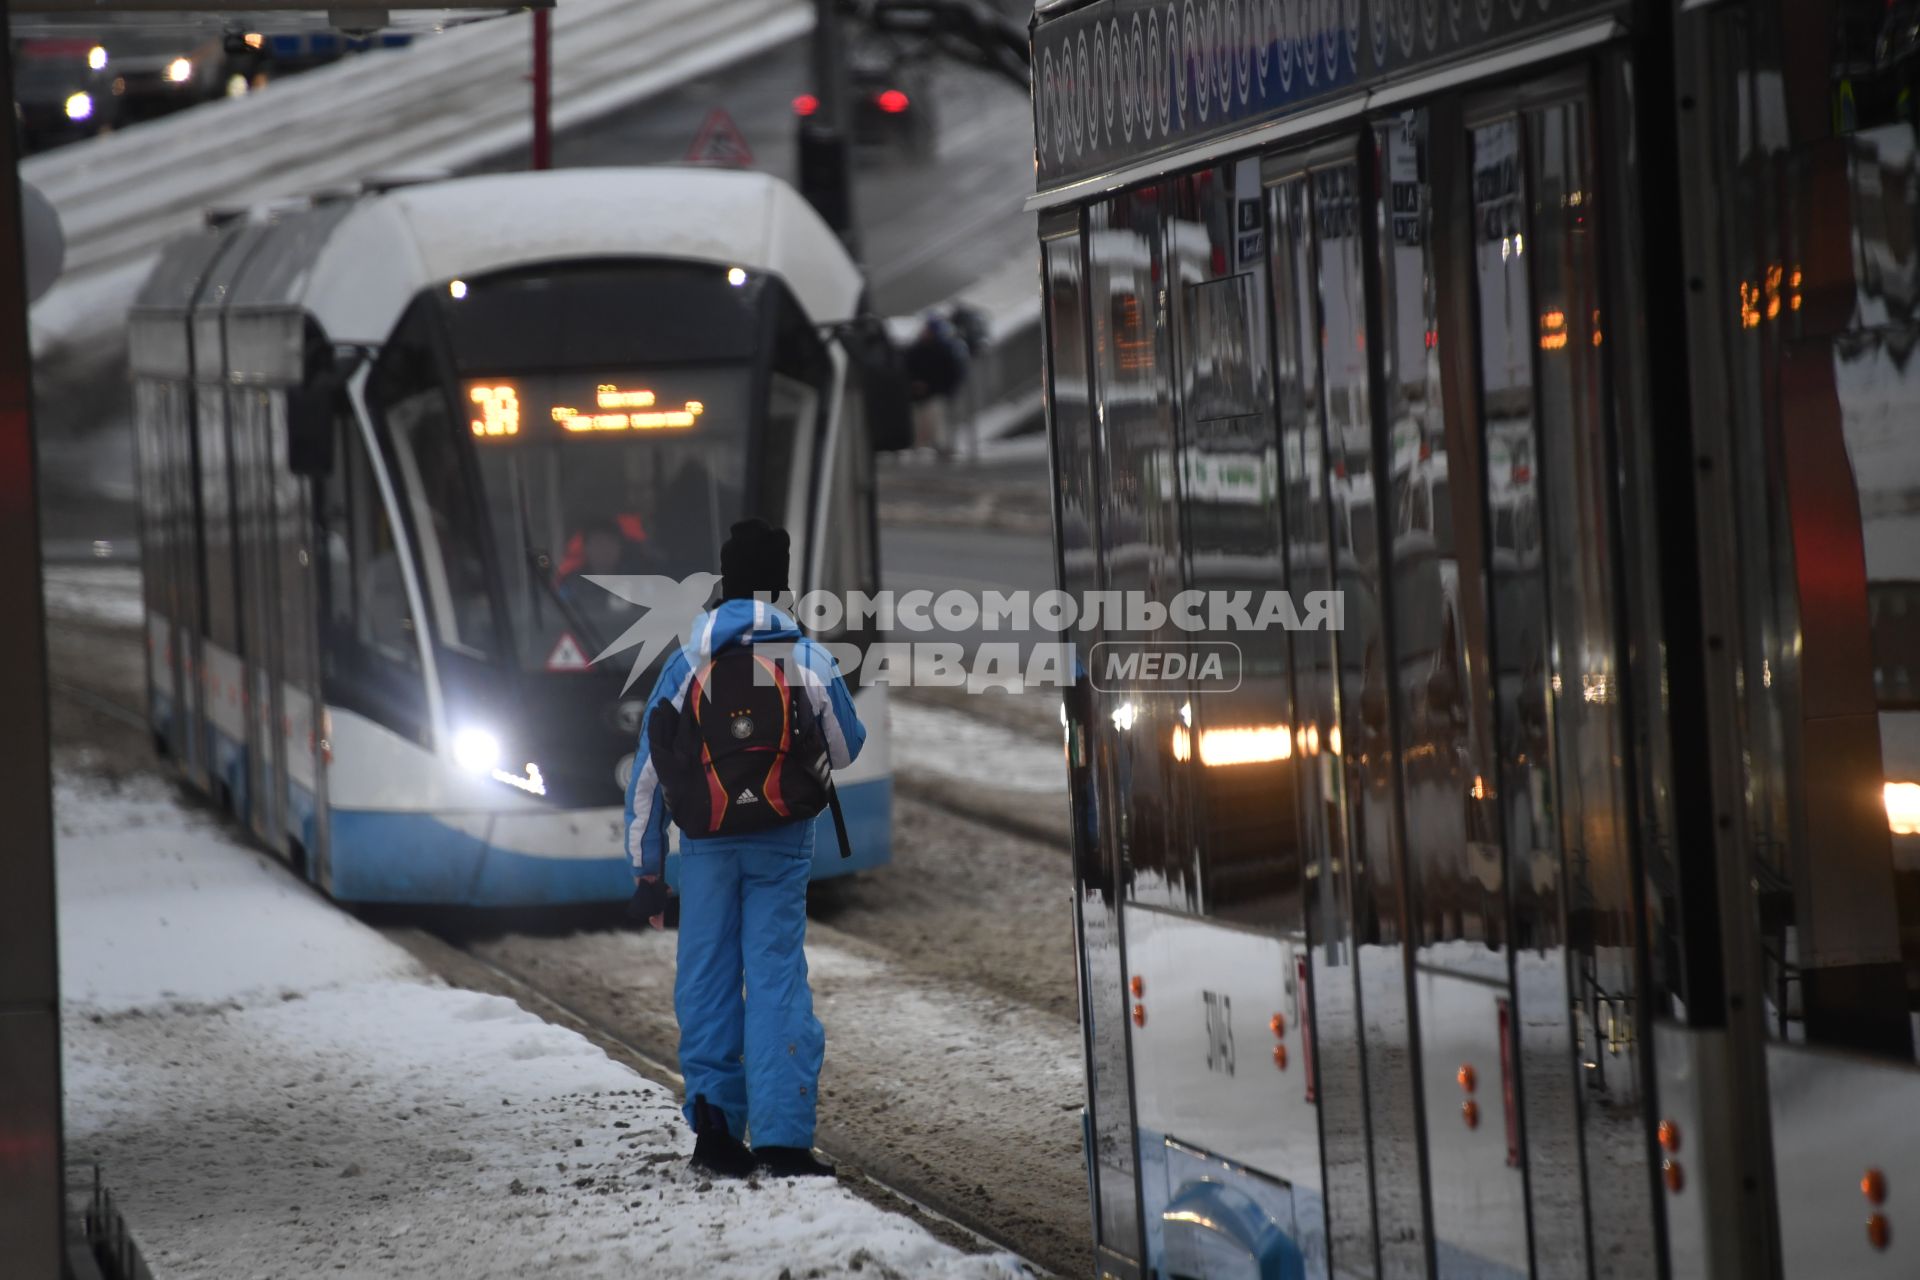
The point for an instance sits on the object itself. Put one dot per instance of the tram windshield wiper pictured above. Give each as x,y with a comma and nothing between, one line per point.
541,565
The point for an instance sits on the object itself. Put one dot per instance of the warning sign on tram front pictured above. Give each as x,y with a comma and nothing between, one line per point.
720,142
567,655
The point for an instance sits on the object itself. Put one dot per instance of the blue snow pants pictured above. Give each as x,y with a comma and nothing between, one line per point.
748,1039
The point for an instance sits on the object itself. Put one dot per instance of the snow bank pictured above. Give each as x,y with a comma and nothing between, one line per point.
951,744
97,592
272,1088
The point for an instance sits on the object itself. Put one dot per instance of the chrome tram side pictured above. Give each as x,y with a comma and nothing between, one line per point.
387,440
1558,915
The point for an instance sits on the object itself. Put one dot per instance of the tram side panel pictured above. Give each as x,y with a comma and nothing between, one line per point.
222,675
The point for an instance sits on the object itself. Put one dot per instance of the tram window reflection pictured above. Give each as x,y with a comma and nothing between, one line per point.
1236,740
1339,1093
1521,778
1605,890
1141,539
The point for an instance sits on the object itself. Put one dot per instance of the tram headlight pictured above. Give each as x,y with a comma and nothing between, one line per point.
476,750
1903,808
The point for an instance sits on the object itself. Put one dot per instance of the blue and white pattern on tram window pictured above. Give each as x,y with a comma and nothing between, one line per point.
1121,80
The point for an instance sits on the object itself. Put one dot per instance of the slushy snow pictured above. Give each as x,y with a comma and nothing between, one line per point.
272,1088
951,744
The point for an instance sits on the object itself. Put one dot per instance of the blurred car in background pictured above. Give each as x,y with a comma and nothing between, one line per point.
160,66
62,89
78,75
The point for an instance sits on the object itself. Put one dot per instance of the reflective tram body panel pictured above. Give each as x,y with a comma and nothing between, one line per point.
333,644
1557,913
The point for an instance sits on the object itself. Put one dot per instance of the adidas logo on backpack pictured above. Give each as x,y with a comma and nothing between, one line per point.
746,796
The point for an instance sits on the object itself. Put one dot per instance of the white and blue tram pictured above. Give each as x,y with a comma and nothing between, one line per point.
1558,915
385,440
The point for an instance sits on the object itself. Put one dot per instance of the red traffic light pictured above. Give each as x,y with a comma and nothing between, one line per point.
805,105
891,101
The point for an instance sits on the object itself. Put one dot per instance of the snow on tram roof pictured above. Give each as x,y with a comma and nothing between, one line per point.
355,263
396,243
732,217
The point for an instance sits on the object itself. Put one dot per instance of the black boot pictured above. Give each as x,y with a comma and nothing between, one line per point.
715,1151
792,1162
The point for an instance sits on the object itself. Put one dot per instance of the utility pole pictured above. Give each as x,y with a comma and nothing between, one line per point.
542,89
826,147
31,1224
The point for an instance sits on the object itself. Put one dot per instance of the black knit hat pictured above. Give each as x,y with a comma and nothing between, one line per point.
754,559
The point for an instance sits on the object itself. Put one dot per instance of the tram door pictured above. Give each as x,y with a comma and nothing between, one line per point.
254,446
1543,753
166,412
302,728
1098,877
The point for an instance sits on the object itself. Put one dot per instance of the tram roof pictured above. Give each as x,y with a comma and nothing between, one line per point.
354,263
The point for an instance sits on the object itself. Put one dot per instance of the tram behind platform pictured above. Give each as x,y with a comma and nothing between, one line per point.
1559,914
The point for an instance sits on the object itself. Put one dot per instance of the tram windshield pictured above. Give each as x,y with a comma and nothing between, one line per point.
610,410
606,473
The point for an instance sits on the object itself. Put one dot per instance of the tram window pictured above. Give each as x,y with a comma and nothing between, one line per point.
792,409
847,561
1311,558
216,514
1238,742
798,386
369,653
432,479
1140,528
292,541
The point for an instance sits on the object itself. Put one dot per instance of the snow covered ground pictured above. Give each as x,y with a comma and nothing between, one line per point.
951,744
272,1088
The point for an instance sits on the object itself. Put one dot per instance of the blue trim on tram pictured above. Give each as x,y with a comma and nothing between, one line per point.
227,763
386,856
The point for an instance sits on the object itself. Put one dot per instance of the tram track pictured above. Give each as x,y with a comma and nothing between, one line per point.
953,1083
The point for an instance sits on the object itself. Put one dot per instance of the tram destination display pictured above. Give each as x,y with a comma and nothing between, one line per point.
576,406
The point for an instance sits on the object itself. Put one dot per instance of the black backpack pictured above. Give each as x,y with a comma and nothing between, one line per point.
744,751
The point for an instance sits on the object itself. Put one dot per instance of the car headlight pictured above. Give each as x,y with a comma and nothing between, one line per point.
180,70
476,750
79,106
97,58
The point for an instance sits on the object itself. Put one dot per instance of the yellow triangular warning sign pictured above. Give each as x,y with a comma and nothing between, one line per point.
567,655
720,142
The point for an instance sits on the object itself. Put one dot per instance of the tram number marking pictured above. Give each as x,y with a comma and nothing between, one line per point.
1219,1031
499,410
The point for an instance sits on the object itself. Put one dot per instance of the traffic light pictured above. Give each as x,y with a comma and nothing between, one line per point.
826,176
